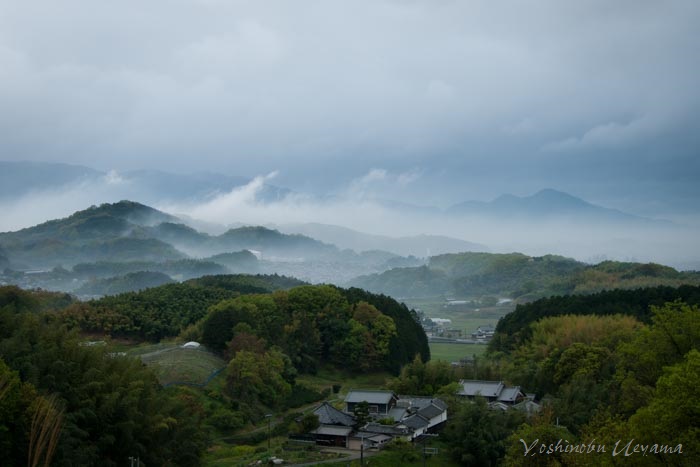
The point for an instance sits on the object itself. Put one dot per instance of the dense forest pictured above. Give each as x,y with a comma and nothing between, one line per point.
514,328
79,404
90,405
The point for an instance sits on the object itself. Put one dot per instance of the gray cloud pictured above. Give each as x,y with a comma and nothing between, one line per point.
479,98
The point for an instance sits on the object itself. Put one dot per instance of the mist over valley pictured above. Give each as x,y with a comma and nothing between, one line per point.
251,226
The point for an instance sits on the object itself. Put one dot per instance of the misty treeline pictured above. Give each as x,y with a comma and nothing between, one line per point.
109,406
164,311
518,276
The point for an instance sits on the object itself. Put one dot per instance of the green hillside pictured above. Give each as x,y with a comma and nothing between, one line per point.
518,276
174,364
121,284
514,327
181,269
165,311
130,233
101,233
238,261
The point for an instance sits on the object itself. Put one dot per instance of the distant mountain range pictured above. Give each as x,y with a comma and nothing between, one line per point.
548,221
130,231
544,205
111,247
421,246
118,240
154,186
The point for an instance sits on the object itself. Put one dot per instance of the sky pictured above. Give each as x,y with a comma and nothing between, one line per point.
428,102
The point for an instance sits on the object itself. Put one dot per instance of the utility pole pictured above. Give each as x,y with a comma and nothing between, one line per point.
362,451
269,420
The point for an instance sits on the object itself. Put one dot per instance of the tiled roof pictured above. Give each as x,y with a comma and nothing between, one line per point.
430,411
420,402
414,402
379,439
528,406
509,394
482,388
333,430
415,422
397,413
498,405
439,403
329,415
372,397
383,429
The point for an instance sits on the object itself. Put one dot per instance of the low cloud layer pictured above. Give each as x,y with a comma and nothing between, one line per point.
364,204
479,98
353,104
365,212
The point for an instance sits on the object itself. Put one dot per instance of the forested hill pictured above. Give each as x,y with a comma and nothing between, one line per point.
126,237
514,328
130,231
312,324
165,311
517,275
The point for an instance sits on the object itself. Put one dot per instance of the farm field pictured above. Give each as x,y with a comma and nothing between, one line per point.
463,317
449,352
173,364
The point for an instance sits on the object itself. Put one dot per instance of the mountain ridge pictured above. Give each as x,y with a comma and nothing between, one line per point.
545,204
422,245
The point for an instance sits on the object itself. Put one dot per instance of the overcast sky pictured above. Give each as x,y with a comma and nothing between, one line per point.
436,101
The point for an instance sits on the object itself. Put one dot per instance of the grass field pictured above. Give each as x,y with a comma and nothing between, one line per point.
173,364
453,352
327,377
466,319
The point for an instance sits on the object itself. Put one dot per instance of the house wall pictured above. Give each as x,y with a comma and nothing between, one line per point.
439,419
381,409
327,440
355,444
